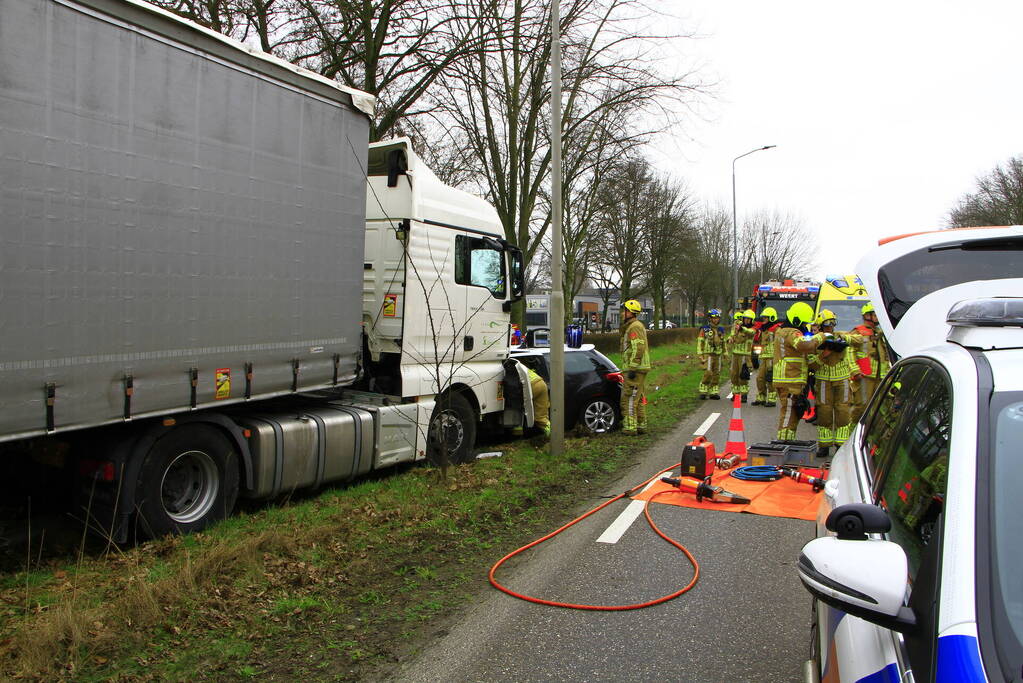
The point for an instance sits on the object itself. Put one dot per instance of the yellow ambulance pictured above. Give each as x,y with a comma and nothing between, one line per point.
843,295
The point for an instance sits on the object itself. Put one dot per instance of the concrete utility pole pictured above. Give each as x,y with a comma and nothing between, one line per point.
557,335
735,230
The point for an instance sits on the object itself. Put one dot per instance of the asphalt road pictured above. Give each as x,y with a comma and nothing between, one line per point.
747,618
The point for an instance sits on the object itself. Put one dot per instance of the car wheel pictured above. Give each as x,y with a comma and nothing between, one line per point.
598,416
452,430
188,480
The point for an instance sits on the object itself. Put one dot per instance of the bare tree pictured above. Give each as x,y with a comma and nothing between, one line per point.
773,245
499,101
702,272
668,235
623,251
998,199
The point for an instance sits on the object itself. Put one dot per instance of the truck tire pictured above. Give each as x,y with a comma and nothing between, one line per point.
188,480
452,428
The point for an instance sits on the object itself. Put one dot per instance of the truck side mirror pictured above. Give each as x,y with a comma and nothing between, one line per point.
518,274
397,164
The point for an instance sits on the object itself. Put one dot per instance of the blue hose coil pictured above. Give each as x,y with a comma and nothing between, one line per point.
757,473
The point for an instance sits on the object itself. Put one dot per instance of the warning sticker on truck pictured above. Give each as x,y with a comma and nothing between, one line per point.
390,305
223,379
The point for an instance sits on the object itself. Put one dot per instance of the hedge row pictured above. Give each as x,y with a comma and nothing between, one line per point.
611,342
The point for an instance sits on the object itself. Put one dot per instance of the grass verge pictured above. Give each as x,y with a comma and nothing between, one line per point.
339,586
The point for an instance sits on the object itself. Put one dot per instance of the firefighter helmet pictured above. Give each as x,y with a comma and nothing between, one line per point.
713,313
824,316
800,313
749,314
867,308
632,305
770,314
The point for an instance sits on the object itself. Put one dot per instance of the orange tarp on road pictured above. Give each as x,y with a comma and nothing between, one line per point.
782,498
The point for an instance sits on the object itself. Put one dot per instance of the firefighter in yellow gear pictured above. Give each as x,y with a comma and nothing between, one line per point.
871,358
635,365
833,369
766,395
710,344
741,343
541,402
736,320
792,344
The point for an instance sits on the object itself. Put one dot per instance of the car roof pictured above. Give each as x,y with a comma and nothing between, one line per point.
522,350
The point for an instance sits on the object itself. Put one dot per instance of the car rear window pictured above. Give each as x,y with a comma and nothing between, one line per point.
578,362
913,276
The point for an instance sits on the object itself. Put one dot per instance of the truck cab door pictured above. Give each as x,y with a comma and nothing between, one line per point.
480,265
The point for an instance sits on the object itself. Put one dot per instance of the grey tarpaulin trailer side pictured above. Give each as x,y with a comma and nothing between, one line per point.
183,220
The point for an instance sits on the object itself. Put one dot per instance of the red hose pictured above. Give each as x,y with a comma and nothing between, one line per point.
607,608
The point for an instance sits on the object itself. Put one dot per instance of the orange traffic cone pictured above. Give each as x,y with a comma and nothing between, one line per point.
736,444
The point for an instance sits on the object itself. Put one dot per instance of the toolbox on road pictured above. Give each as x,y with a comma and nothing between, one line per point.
784,452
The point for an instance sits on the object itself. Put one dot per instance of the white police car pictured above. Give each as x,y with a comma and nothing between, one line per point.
918,570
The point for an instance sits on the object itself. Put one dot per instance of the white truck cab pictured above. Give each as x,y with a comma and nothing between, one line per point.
438,284
915,569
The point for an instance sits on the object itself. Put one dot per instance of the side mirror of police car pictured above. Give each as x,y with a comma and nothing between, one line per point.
865,578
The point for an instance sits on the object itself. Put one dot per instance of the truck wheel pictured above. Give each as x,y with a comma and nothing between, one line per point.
188,481
452,430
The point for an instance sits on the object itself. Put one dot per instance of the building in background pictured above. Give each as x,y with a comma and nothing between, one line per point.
587,309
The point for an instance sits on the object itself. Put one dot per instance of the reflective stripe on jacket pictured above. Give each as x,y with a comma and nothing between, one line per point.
791,349
635,351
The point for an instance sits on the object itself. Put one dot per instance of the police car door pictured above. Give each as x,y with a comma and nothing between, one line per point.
899,459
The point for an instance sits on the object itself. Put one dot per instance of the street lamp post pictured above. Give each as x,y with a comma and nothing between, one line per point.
735,229
557,326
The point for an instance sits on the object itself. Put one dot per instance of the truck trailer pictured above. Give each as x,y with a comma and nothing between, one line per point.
211,285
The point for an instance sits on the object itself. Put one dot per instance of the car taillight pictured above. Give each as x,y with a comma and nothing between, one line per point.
615,377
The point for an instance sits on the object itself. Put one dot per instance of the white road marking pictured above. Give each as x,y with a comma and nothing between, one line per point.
702,430
614,533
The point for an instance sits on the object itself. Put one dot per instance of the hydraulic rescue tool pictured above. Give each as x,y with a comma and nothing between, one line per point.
704,489
774,472
728,463
816,482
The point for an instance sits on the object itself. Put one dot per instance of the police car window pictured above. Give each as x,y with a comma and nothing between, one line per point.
887,411
913,489
1007,525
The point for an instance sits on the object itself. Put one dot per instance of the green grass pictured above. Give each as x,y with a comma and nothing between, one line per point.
326,587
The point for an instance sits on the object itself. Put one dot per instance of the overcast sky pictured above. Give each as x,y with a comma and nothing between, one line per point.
884,113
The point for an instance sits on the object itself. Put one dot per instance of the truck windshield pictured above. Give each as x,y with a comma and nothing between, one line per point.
782,302
1007,529
913,276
